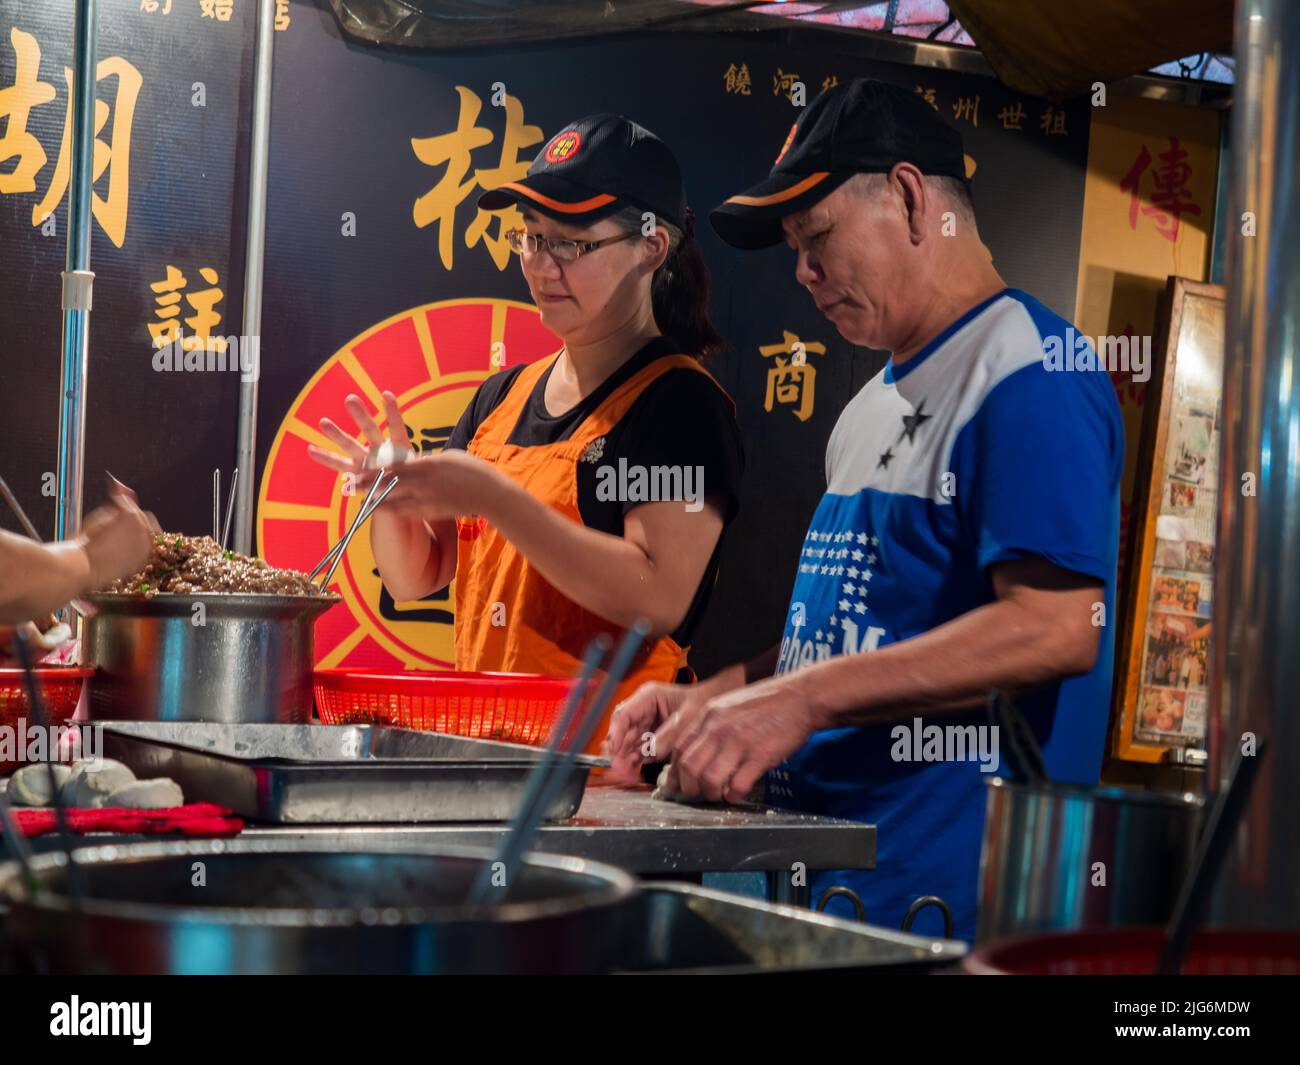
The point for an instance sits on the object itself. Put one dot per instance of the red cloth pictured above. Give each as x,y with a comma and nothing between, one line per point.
192,819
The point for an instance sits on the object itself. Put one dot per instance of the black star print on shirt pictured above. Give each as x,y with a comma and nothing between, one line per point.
912,422
885,459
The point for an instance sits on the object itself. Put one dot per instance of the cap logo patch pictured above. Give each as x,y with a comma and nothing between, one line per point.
565,146
789,140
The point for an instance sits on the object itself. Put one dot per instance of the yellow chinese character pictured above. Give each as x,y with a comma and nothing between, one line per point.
790,381
455,149
115,156
737,81
217,9
16,103
783,82
967,107
149,7
166,330
205,317
1011,117
1052,122
168,312
928,96
281,14
829,82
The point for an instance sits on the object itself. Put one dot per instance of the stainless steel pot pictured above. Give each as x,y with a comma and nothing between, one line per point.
244,906
1042,843
238,659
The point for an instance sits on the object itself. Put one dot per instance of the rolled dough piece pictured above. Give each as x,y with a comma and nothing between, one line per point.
161,793
30,786
386,456
92,781
662,791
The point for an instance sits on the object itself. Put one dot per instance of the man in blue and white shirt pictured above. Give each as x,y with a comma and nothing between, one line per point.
967,539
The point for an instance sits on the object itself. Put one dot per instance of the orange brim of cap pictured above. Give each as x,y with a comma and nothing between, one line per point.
752,219
501,197
797,189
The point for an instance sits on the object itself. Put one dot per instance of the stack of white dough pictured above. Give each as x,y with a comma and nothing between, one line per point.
93,784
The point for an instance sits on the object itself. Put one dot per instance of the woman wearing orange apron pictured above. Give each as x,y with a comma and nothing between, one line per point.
591,488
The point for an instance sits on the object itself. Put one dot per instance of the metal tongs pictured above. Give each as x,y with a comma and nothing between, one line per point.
368,506
552,769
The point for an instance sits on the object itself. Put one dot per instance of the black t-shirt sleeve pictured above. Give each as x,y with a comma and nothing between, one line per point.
682,420
490,393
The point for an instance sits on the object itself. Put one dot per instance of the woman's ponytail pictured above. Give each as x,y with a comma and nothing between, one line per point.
679,292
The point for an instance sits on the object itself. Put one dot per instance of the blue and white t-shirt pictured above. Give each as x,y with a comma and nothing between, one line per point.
970,453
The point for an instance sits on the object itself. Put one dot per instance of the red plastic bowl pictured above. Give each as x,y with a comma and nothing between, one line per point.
1134,952
512,707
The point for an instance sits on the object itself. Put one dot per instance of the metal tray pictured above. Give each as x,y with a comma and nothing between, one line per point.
681,928
338,774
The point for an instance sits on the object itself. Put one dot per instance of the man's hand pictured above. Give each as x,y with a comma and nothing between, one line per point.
116,538
630,740
721,747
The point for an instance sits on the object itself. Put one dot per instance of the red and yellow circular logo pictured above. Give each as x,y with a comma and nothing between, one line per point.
432,358
789,140
564,147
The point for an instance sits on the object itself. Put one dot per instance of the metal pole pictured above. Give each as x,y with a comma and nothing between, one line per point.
253,258
77,280
1256,680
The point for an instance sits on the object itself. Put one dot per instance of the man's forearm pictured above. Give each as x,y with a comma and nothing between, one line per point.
38,578
997,647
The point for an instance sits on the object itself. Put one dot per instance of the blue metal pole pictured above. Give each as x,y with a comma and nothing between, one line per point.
77,279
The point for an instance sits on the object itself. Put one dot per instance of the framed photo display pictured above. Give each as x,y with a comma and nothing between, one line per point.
1163,654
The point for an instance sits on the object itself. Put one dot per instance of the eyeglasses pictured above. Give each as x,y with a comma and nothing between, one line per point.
562,251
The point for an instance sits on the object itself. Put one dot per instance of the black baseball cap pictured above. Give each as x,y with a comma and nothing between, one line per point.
594,167
861,127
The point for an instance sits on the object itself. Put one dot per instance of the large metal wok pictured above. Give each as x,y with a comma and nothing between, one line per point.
222,657
242,906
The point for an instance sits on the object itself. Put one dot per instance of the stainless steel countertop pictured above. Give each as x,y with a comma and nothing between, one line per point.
627,828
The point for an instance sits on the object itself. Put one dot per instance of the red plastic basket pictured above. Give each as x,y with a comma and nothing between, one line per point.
513,707
60,688
1135,951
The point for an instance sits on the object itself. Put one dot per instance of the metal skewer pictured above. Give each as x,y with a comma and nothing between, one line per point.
329,555
19,513
60,814
230,510
362,518
551,771
18,843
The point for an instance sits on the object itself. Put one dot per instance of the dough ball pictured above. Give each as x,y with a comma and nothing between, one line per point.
161,793
30,786
92,781
386,456
662,791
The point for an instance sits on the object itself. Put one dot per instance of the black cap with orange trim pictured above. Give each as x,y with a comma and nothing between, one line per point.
861,127
592,168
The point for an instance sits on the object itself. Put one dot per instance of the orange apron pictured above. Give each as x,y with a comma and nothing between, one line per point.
538,629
